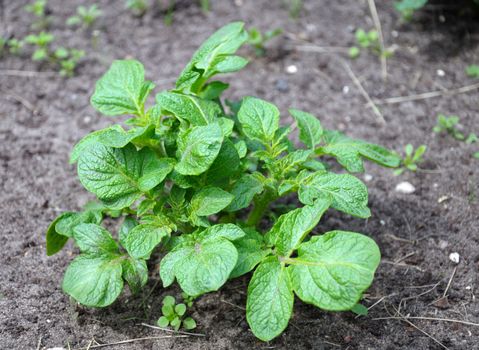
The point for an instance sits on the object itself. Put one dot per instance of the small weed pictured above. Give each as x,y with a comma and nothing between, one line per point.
472,71
412,158
368,41
173,315
39,10
85,16
407,8
137,7
257,39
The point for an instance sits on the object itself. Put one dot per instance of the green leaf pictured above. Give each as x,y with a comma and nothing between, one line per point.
293,159
135,273
213,90
189,323
114,136
209,201
122,90
349,152
291,228
244,191
310,130
163,322
180,309
142,239
55,240
94,280
259,119
198,148
251,251
196,111
333,270
203,264
119,176
94,239
169,300
225,165
67,223
360,309
270,300
346,192
209,58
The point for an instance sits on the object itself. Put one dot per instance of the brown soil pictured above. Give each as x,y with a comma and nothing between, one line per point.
41,118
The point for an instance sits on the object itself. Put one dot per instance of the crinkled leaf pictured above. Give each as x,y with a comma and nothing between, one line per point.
259,119
142,239
213,90
310,130
189,108
270,299
122,90
207,60
225,165
333,270
349,152
128,224
198,148
251,251
154,172
347,192
209,201
94,239
55,240
135,273
244,191
67,223
291,228
94,280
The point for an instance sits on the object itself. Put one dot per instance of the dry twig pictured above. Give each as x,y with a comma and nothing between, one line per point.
131,341
377,24
172,331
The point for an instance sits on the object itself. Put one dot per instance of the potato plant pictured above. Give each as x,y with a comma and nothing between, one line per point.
193,180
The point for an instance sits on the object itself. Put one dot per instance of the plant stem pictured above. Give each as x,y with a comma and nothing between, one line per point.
260,206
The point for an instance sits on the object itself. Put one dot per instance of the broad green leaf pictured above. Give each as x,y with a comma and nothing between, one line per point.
226,125
135,273
333,270
209,201
189,108
293,159
142,239
251,251
259,119
349,152
346,192
94,280
310,130
203,264
210,58
119,176
128,224
241,148
225,165
291,228
198,148
55,240
213,90
244,191
270,299
94,239
114,136
122,90
67,223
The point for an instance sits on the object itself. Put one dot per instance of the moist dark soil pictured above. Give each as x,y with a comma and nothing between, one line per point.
42,116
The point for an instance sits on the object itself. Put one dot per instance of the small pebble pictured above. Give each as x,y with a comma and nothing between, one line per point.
291,69
440,73
345,89
442,19
282,85
382,222
394,34
405,187
442,199
443,244
87,119
454,257
468,288
368,177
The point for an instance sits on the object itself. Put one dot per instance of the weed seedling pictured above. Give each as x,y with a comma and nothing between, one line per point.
39,10
198,180
85,16
137,7
295,7
173,315
407,8
369,41
258,39
411,159
472,71
449,125
41,43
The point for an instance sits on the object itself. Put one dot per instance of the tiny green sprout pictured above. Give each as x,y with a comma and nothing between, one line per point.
369,41
205,5
41,42
173,315
449,125
187,299
295,7
85,16
39,10
412,158
407,8
258,39
15,46
360,310
472,71
69,62
472,138
137,7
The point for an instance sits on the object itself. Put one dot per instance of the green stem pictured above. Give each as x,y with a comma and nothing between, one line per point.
260,206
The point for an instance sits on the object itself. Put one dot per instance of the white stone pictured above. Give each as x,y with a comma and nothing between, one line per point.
368,177
440,73
454,257
345,89
291,69
405,187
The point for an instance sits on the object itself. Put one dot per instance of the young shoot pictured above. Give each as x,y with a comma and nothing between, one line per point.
411,159
85,16
368,41
257,39
174,315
